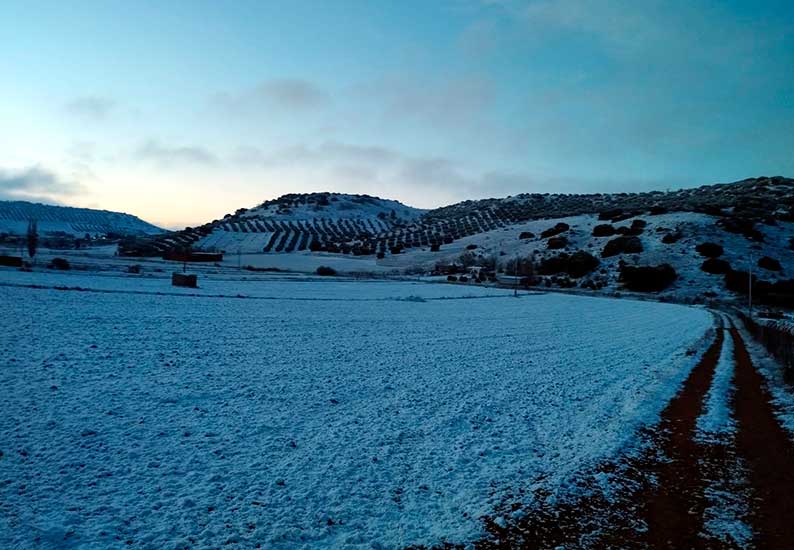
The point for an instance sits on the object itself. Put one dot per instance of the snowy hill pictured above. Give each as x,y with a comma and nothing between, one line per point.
672,238
15,216
743,225
328,222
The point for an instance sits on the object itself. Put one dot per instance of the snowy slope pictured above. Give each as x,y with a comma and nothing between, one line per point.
15,216
504,244
294,223
347,418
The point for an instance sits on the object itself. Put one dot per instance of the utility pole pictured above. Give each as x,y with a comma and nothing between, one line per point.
515,275
750,287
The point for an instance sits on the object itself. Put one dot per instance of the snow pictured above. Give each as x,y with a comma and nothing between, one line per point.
234,243
717,421
15,216
340,206
725,517
333,414
781,390
504,244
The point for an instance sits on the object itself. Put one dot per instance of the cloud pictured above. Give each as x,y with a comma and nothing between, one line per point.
423,180
292,95
324,153
169,155
94,108
35,184
448,103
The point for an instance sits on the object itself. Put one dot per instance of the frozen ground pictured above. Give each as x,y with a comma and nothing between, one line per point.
357,416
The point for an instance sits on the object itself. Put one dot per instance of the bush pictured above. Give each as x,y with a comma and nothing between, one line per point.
633,230
609,214
471,247
647,278
671,238
770,264
61,264
604,230
556,243
581,263
716,266
709,250
741,226
526,235
452,278
556,230
326,271
576,265
135,268
622,245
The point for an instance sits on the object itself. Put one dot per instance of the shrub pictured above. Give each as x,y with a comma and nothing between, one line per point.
326,271
556,243
604,230
471,247
135,268
716,266
671,238
631,231
609,214
770,264
61,264
741,226
556,230
451,278
622,245
709,250
647,278
581,263
576,265
656,210
554,265
526,235
738,281
435,247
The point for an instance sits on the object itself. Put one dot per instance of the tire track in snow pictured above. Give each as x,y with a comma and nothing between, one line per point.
768,451
674,509
727,492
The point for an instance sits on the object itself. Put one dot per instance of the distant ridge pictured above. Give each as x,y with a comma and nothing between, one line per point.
15,215
363,225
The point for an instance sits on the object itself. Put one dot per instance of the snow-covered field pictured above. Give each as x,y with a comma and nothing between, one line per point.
333,414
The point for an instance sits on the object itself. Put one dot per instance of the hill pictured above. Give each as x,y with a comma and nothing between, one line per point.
692,244
320,222
54,220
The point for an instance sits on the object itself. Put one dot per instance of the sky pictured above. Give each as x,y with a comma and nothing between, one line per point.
181,112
